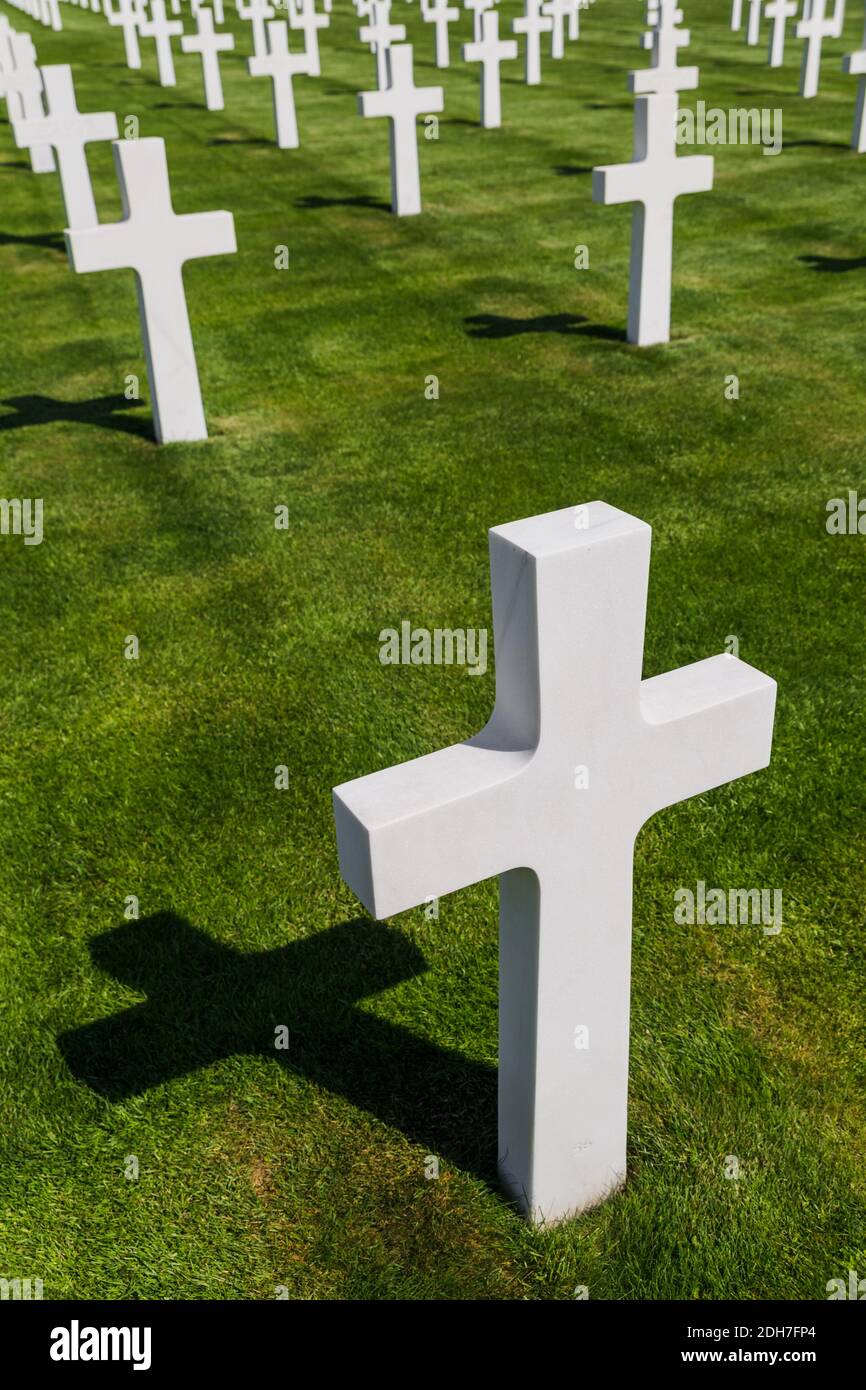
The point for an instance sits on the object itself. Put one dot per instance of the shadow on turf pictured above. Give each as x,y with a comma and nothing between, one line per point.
566,171
100,410
44,240
361,200
573,325
207,1001
835,264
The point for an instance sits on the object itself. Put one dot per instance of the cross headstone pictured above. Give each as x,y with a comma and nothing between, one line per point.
490,51
128,16
22,88
654,179
68,131
280,65
209,45
162,30
257,12
578,754
307,19
440,13
736,15
380,34
816,26
779,12
477,7
155,241
532,23
855,65
753,27
558,11
402,103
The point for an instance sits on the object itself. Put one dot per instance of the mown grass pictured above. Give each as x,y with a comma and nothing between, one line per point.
259,647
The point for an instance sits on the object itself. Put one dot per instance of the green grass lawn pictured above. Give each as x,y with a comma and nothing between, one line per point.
305,1169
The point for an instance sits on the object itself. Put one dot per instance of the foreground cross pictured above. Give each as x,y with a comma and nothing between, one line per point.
578,754
490,51
779,11
281,66
68,131
532,23
402,102
154,241
441,14
162,30
128,17
209,45
654,179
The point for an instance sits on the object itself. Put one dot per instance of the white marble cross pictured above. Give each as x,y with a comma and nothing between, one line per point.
380,33
533,24
402,102
440,13
855,65
155,241
257,12
128,16
162,30
307,18
736,15
209,45
558,11
550,796
280,65
779,11
22,88
477,7
753,28
815,28
653,180
490,51
68,131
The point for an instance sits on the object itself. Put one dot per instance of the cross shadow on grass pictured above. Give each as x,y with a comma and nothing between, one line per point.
100,410
207,1001
49,241
360,200
566,171
835,264
572,325
251,140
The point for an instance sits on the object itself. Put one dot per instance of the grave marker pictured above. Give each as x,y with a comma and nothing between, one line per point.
569,605
490,51
67,130
155,241
402,103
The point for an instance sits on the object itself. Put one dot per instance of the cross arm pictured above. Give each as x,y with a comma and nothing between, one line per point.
427,827
706,724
